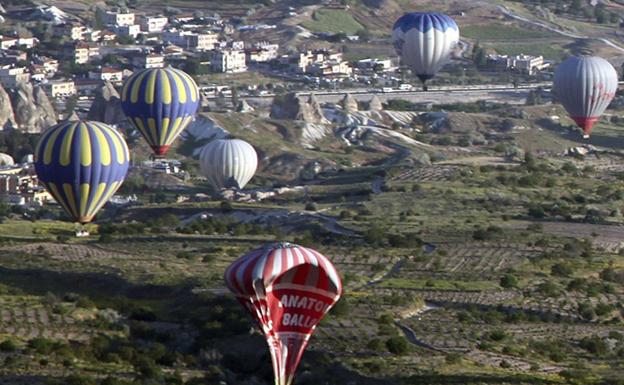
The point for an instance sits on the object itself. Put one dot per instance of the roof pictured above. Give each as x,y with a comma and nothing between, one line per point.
110,70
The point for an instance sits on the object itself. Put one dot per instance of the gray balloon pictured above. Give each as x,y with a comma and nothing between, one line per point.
585,85
228,163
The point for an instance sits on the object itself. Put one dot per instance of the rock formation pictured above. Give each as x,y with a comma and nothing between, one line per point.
72,117
349,104
7,117
32,108
375,104
106,106
293,107
243,106
6,160
48,116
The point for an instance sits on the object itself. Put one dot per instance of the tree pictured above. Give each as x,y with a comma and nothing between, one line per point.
601,15
125,39
594,345
98,20
8,346
397,345
561,270
147,368
534,97
364,34
341,308
234,96
576,6
509,281
71,104
480,58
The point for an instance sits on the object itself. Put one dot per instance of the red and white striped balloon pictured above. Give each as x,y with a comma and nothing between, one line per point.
288,289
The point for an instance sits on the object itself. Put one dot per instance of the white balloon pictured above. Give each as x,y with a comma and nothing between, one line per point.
585,86
228,163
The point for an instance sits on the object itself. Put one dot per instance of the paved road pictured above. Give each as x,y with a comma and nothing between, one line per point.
511,96
509,13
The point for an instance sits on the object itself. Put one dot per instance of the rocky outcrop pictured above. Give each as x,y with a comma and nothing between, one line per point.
243,106
7,117
293,107
48,115
6,160
349,104
72,117
106,106
32,108
375,104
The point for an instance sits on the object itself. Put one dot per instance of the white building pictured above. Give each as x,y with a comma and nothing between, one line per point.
382,65
319,62
10,76
84,52
93,36
153,24
262,52
191,40
229,60
128,30
327,68
118,18
152,60
8,42
75,31
110,74
50,65
28,42
60,88
523,63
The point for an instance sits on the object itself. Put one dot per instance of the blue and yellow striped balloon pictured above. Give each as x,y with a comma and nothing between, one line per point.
81,164
160,103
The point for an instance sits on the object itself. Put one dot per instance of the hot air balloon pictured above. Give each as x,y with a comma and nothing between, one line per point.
228,163
160,103
287,289
81,164
424,42
585,85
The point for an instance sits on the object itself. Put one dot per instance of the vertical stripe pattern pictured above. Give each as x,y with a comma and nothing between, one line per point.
160,103
228,163
424,41
81,164
585,86
287,289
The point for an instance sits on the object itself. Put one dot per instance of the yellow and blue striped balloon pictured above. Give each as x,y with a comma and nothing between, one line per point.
160,103
81,164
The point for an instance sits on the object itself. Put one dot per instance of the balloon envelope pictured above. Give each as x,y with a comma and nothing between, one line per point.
585,86
424,41
81,164
160,103
228,163
287,289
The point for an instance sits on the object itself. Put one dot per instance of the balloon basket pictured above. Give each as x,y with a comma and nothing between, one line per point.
81,232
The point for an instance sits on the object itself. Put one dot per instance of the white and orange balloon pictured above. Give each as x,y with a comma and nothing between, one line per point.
287,289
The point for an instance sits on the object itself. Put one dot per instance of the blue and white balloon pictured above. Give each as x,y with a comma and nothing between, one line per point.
424,41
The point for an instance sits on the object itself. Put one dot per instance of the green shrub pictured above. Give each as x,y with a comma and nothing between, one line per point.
508,281
397,345
8,346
